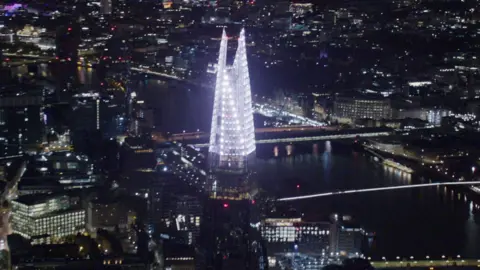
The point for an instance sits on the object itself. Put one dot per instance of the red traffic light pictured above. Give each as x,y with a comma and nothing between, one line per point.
69,29
225,205
298,186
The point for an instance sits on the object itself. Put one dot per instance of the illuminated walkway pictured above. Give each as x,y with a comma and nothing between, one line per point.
326,194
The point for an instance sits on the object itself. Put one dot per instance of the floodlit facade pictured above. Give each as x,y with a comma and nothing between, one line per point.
232,136
46,220
348,109
284,235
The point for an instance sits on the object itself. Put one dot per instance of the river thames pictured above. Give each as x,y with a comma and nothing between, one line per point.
431,221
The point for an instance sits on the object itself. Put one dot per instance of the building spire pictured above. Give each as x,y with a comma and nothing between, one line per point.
244,92
232,137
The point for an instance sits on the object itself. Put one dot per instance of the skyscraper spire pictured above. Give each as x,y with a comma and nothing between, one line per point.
232,137
242,84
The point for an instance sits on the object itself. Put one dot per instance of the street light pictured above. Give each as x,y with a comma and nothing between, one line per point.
443,256
411,257
428,257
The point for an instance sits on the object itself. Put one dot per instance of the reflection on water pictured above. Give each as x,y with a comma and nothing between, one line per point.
275,151
289,149
86,76
315,149
394,174
328,146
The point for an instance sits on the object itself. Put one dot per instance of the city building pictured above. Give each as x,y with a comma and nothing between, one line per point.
56,171
349,241
67,41
346,238
285,235
21,124
232,137
46,219
30,34
189,214
231,149
106,7
108,214
178,256
94,117
137,154
348,109
301,9
86,110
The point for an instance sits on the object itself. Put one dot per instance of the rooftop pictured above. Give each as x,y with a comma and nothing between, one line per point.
32,199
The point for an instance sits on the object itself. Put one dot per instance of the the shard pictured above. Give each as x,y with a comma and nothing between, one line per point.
232,136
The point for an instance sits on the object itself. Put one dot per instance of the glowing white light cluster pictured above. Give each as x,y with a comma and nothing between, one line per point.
232,136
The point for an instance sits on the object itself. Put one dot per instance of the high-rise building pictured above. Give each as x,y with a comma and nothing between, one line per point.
232,136
106,7
188,211
21,124
231,149
67,40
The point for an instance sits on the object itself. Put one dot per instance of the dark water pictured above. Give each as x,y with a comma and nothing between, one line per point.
431,221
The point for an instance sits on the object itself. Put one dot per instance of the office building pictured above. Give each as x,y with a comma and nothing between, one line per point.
232,136
346,237
284,235
189,214
21,124
348,109
108,214
106,7
170,205
57,171
137,154
67,40
231,149
46,219
94,117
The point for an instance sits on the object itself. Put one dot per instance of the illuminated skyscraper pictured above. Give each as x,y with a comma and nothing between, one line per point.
232,137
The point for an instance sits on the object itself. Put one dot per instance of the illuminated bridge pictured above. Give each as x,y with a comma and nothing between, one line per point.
161,74
352,191
305,138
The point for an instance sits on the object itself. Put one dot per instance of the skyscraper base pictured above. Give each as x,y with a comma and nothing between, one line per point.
227,185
